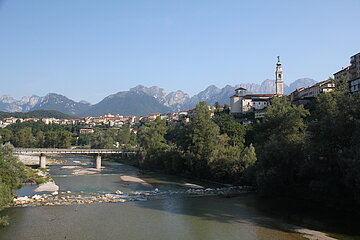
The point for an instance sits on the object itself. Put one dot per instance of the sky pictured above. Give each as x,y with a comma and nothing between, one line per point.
87,49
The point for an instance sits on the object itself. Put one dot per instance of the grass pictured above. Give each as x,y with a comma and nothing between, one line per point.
32,176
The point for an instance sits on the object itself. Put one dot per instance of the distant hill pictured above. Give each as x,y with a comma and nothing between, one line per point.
127,103
53,101
36,114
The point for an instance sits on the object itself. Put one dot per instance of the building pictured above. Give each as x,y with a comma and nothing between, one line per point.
242,103
351,73
354,81
86,131
303,95
343,73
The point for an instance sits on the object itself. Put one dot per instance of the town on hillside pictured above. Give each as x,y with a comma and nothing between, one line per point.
245,107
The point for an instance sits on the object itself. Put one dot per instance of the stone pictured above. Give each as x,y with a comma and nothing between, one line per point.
36,197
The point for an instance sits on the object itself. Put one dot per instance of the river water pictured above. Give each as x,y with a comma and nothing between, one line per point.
168,218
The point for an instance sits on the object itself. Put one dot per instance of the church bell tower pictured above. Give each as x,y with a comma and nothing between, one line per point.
279,78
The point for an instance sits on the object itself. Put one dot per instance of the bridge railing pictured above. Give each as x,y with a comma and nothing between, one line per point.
66,150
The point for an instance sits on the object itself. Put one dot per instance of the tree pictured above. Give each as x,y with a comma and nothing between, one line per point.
5,136
233,129
203,135
333,163
152,135
103,138
279,142
40,139
12,174
24,137
63,139
123,135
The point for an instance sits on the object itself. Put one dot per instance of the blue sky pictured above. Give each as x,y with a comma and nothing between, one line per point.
88,49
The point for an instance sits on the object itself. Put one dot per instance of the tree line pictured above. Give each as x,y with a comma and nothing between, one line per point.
35,114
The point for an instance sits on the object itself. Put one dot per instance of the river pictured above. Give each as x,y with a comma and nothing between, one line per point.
172,217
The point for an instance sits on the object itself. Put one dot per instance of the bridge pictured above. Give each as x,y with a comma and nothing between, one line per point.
43,151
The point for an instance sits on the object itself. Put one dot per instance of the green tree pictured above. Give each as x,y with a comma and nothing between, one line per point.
40,139
123,136
63,139
103,138
12,174
5,136
51,139
333,164
279,143
233,129
151,138
203,135
152,135
24,137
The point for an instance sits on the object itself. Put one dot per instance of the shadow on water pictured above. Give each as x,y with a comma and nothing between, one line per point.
250,209
218,209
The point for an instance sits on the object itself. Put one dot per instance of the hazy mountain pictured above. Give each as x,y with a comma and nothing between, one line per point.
53,101
9,104
302,82
127,103
174,100
158,93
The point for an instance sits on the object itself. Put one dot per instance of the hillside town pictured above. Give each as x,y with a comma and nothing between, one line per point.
245,107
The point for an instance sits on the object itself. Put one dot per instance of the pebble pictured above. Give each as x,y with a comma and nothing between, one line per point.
49,200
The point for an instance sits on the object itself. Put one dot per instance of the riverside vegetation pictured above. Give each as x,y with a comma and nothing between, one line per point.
310,153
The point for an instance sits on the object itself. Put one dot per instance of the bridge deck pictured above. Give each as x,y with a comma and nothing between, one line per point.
64,150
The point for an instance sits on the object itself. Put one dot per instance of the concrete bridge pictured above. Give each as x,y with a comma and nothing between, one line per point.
43,151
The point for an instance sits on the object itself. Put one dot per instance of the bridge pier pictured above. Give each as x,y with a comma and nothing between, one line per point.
42,160
98,161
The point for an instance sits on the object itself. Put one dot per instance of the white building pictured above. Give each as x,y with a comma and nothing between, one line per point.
242,103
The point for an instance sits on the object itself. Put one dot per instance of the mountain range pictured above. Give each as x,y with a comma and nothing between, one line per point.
140,100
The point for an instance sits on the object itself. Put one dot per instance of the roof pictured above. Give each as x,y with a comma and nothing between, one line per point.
240,88
343,69
261,95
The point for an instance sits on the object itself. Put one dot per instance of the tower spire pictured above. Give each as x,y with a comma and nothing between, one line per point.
279,79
